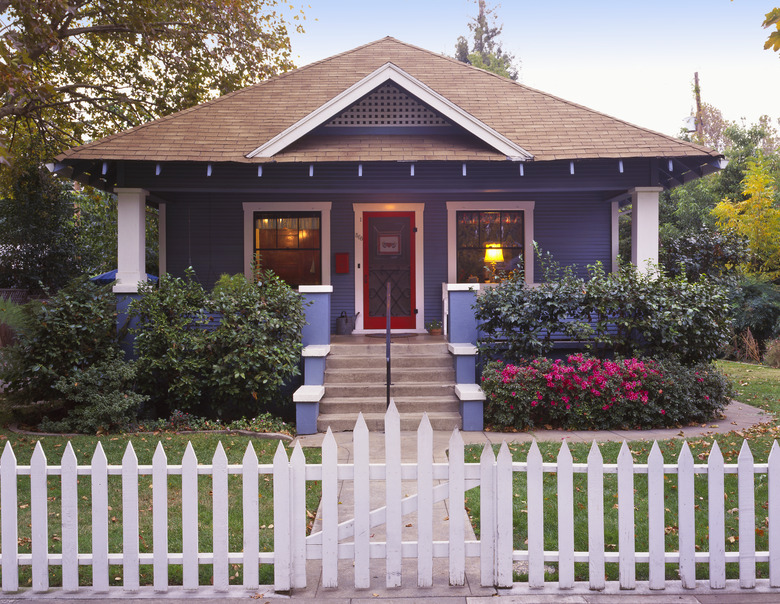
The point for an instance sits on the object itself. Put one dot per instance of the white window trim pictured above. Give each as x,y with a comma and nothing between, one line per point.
453,207
419,264
323,207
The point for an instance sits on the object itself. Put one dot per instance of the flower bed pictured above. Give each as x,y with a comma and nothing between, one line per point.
588,393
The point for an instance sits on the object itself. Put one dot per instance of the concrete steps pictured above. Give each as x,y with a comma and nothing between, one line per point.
423,380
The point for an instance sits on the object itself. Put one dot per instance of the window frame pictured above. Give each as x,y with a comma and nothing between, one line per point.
321,207
453,207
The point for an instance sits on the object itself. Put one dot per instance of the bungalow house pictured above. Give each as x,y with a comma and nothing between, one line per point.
385,163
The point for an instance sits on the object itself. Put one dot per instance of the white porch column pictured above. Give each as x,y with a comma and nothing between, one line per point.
644,226
615,231
162,243
131,239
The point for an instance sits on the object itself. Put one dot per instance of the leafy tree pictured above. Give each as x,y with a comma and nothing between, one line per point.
37,240
756,217
486,52
772,18
78,69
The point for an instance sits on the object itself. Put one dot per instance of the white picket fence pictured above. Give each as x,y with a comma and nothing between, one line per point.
351,539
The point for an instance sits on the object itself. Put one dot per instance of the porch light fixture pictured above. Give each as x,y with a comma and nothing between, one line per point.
464,169
493,255
620,166
571,167
522,171
157,170
411,173
208,170
259,171
104,171
311,170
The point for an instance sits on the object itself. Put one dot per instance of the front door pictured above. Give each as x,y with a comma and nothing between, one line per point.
388,256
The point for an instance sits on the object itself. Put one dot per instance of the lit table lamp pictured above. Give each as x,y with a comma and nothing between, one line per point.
493,255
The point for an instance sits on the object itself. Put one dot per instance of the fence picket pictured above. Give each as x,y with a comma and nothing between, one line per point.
596,518
393,518
219,526
298,508
773,501
504,521
39,520
626,528
716,517
130,546
250,493
189,518
330,511
425,503
160,518
747,518
686,519
70,520
457,510
9,512
565,481
99,520
487,516
535,518
655,518
362,490
282,541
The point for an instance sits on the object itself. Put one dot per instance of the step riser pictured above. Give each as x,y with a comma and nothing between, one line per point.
395,349
397,390
343,406
378,425
398,376
379,362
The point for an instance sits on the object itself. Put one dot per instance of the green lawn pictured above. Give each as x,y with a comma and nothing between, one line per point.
757,385
144,446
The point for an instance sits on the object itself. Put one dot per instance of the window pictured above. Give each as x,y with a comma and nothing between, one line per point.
501,232
289,243
474,227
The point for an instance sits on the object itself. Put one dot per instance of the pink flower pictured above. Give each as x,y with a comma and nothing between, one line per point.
663,412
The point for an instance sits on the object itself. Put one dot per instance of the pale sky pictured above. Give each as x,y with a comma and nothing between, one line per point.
629,59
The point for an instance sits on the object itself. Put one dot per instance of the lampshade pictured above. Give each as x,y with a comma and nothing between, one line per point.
494,254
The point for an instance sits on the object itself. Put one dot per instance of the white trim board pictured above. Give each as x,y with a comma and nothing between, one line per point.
453,207
390,72
419,264
323,207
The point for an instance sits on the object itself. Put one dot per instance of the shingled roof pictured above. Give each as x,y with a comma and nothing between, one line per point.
232,127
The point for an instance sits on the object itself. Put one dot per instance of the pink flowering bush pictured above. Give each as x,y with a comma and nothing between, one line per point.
584,392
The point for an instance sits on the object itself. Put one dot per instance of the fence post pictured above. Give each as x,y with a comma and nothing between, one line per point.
282,543
70,521
716,517
298,516
424,503
39,520
99,520
686,520
535,518
487,516
189,518
219,541
626,527
361,488
250,499
9,519
655,518
457,510
160,518
130,548
596,518
747,518
330,511
773,499
565,518
393,519
504,522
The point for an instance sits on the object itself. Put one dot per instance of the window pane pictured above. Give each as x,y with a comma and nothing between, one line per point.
512,229
476,231
490,228
289,244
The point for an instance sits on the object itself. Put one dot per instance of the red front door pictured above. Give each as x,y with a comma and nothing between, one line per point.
388,256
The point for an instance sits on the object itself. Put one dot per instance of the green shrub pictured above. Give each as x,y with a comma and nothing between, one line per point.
630,313
772,354
100,398
757,308
589,393
228,353
69,332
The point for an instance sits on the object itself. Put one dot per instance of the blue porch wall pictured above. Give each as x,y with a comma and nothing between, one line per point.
207,233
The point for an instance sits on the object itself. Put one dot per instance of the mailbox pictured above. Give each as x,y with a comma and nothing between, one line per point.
342,263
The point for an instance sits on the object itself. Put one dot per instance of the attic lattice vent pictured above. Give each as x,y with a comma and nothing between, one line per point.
387,106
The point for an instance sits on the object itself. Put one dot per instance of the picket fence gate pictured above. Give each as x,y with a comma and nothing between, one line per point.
351,539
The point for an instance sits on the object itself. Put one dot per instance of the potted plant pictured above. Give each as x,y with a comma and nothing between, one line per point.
434,327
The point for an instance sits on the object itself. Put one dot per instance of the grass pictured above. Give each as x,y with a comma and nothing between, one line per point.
756,385
144,446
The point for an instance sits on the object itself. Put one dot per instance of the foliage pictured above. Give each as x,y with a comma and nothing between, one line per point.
588,393
630,312
68,333
181,421
707,252
757,308
37,246
757,217
772,18
772,354
12,320
486,52
216,354
100,398
81,70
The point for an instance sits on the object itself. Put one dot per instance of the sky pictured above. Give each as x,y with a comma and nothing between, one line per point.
630,59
